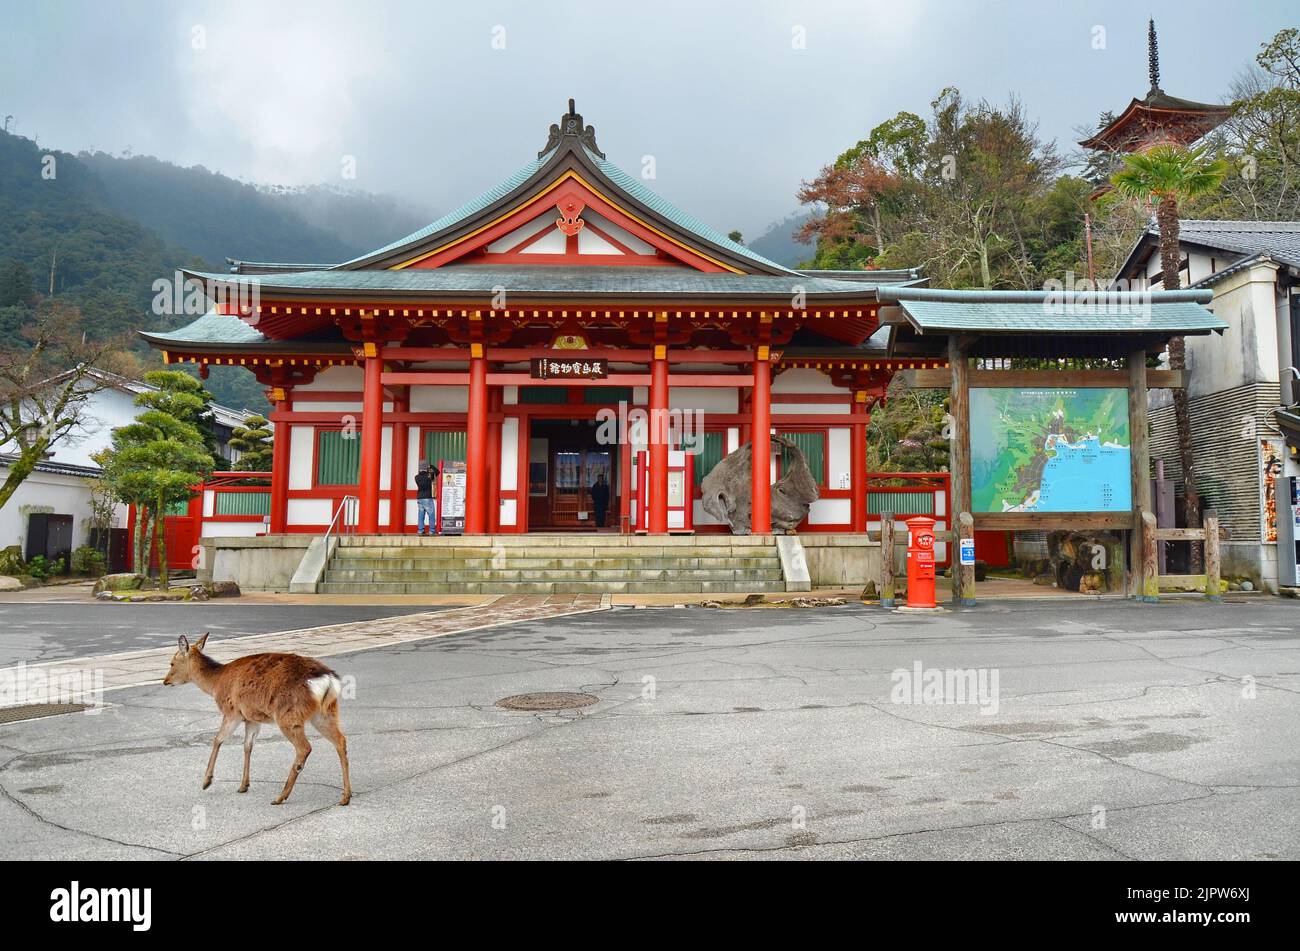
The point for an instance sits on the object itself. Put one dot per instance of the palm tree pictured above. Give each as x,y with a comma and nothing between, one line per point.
1166,175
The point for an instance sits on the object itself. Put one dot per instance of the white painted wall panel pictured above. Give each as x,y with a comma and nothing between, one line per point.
300,456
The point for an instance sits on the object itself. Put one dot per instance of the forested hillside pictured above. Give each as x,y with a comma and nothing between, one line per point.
93,232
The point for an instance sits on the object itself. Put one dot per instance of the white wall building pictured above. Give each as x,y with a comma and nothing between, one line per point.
1239,382
59,485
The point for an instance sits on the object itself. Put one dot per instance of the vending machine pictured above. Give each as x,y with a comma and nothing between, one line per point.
1288,531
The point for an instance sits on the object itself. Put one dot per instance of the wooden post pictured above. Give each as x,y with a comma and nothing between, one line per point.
280,463
761,447
398,477
963,575
1149,578
657,504
1210,520
959,455
476,439
887,560
372,442
1140,483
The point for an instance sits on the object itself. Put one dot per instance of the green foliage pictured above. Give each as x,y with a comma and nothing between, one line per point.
41,568
11,560
253,440
156,459
1168,171
89,561
972,197
906,433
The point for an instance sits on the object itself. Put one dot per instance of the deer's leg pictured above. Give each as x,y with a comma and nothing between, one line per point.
327,721
250,735
298,737
227,726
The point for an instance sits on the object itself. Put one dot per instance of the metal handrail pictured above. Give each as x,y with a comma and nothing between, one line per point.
345,503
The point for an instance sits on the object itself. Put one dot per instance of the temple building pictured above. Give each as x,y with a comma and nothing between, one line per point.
1157,118
515,331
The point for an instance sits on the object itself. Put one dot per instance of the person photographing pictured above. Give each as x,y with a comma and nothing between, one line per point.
426,485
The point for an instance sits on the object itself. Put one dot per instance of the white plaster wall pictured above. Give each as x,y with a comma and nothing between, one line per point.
440,399
386,459
510,454
336,378
300,456
713,399
839,454
830,512
232,529
509,512
819,409
49,493
310,511
804,380
332,406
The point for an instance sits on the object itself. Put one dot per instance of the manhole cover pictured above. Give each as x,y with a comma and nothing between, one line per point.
32,711
553,700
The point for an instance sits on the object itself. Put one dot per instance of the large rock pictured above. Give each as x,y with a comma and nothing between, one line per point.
728,490
123,582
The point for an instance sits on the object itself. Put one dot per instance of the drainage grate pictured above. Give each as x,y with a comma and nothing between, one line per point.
32,711
554,700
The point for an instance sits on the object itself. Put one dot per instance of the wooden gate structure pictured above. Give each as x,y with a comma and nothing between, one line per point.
1052,344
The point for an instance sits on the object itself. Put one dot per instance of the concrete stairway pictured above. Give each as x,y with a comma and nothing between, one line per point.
552,564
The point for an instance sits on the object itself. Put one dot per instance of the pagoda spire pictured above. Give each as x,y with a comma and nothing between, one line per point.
1153,55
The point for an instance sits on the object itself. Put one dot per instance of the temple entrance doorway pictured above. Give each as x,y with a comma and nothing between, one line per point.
567,468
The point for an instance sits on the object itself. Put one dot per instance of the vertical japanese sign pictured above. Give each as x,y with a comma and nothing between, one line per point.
451,499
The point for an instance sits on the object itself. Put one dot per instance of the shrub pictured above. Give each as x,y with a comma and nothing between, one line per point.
89,561
41,568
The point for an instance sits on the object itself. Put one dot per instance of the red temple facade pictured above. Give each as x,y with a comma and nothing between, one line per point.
520,331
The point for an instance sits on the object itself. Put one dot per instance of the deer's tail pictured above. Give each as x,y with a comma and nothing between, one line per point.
326,688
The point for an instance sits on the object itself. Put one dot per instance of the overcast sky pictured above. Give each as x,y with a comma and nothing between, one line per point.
437,101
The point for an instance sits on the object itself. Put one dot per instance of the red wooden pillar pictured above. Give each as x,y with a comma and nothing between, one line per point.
476,474
280,463
495,397
372,442
657,515
858,463
398,480
761,426
624,487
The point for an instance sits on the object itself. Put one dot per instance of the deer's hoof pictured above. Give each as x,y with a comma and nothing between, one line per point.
207,782
278,802
345,800
242,789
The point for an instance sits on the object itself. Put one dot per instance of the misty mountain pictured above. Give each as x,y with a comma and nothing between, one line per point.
96,231
778,243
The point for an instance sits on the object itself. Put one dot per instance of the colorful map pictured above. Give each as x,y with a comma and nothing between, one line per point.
1050,450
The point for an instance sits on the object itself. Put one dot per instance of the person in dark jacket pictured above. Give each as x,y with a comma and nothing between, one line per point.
426,487
600,499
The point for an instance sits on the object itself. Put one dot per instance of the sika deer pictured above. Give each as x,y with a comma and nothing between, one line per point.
287,689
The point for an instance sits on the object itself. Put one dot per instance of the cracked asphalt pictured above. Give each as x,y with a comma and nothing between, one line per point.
1121,731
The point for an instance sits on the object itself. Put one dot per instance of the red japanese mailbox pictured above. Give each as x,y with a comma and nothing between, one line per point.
920,562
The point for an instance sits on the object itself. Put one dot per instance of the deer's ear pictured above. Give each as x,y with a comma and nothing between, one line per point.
183,643
198,645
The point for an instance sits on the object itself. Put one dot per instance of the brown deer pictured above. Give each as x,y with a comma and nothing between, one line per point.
287,689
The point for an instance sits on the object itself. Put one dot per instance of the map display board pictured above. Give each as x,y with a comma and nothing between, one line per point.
1050,450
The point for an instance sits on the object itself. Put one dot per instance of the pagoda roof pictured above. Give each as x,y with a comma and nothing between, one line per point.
472,282
1158,115
1184,120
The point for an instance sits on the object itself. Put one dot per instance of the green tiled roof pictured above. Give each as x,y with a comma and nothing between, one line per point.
466,210
634,187
551,280
942,311
212,328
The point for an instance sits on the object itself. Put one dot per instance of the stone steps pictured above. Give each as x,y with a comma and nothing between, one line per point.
637,575
552,565
553,587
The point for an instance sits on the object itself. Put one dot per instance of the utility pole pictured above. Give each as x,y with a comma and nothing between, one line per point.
1087,234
